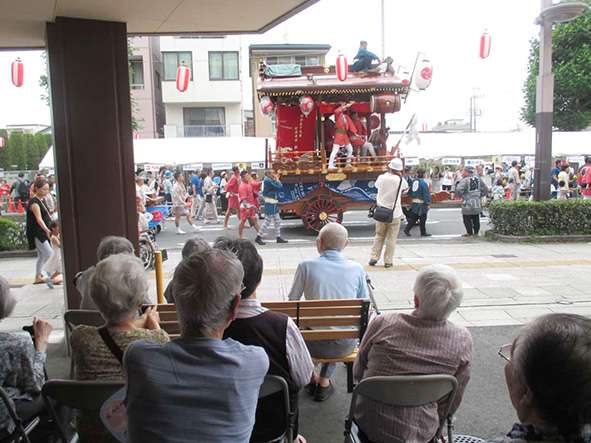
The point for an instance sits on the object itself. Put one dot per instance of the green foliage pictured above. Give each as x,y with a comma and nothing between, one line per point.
12,236
571,60
553,217
23,151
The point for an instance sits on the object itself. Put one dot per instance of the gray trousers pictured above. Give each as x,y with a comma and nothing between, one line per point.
44,251
276,219
330,349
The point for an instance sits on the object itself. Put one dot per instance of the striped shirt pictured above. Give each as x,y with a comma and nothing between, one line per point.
401,344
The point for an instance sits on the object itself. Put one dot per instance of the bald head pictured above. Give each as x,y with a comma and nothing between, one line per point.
332,237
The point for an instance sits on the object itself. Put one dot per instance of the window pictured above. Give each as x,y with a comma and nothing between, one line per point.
136,73
204,122
172,60
223,66
302,60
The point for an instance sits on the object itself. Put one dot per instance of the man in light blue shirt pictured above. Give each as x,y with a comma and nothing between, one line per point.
328,277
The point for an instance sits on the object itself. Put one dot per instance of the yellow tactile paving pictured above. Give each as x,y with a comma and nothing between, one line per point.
504,264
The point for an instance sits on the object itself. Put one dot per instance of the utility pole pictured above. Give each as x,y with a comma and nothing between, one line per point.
383,29
544,111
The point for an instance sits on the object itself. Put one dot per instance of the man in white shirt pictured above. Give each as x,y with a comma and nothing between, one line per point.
390,187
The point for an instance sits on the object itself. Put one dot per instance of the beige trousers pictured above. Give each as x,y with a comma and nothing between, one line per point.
385,233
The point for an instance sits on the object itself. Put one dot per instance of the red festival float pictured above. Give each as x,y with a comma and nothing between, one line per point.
315,106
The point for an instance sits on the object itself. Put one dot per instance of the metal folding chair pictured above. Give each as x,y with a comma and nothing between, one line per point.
272,385
86,396
405,391
21,430
76,317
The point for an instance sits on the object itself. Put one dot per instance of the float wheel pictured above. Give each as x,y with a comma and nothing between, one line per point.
320,211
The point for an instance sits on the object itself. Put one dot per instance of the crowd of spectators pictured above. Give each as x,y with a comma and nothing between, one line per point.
204,385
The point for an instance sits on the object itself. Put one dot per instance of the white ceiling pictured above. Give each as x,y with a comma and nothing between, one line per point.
22,22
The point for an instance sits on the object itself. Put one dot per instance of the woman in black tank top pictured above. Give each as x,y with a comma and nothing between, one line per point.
38,221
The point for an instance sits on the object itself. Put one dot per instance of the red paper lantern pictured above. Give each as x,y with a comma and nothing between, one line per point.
306,105
136,135
17,72
424,74
266,105
183,75
342,68
2,142
485,42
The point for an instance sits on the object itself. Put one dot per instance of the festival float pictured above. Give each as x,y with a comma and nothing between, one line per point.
303,100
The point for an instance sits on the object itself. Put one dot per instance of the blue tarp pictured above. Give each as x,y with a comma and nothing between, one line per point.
283,71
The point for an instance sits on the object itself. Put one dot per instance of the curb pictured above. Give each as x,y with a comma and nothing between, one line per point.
537,238
17,254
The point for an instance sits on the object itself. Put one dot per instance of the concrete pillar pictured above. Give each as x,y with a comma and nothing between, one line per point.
91,108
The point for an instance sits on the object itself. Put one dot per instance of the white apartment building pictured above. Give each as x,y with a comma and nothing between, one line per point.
212,104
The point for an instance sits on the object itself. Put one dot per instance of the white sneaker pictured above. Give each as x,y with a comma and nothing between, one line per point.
180,231
196,228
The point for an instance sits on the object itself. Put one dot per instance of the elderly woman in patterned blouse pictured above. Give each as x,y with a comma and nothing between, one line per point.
118,286
548,377
423,342
22,367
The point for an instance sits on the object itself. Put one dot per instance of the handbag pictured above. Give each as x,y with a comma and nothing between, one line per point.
208,198
383,214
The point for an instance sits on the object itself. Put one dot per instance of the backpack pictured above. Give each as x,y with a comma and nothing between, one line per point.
23,188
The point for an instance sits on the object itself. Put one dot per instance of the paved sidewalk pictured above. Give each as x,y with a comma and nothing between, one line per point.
505,284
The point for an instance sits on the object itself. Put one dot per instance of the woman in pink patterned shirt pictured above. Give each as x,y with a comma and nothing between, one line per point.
423,342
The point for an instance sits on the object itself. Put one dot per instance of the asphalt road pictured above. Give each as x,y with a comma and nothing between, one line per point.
443,224
485,411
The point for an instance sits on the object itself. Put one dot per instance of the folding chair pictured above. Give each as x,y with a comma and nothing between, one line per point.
75,317
404,391
21,430
272,385
87,396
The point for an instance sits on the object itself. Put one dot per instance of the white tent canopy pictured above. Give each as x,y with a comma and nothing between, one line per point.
181,151
471,144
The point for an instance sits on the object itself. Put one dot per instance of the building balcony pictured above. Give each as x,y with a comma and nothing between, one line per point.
171,131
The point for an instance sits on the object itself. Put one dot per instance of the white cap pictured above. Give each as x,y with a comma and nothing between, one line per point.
395,164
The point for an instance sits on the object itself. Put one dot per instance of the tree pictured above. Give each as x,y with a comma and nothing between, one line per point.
571,60
32,152
18,150
4,150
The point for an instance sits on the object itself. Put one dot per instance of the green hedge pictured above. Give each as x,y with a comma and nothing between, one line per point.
553,217
12,236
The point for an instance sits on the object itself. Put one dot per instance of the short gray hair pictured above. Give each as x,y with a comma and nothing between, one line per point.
112,245
194,245
439,292
118,286
7,300
204,285
333,236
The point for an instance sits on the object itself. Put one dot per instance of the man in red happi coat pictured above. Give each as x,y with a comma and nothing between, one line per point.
343,125
246,194
232,195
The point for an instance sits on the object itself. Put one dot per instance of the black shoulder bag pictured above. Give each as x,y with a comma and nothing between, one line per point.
383,214
115,350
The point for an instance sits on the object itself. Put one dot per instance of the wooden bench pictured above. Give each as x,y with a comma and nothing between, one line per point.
347,318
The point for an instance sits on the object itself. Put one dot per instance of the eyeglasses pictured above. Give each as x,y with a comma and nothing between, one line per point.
505,351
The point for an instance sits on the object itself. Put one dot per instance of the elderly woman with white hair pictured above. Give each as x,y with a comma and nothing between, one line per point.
108,246
22,366
118,286
423,342
548,377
